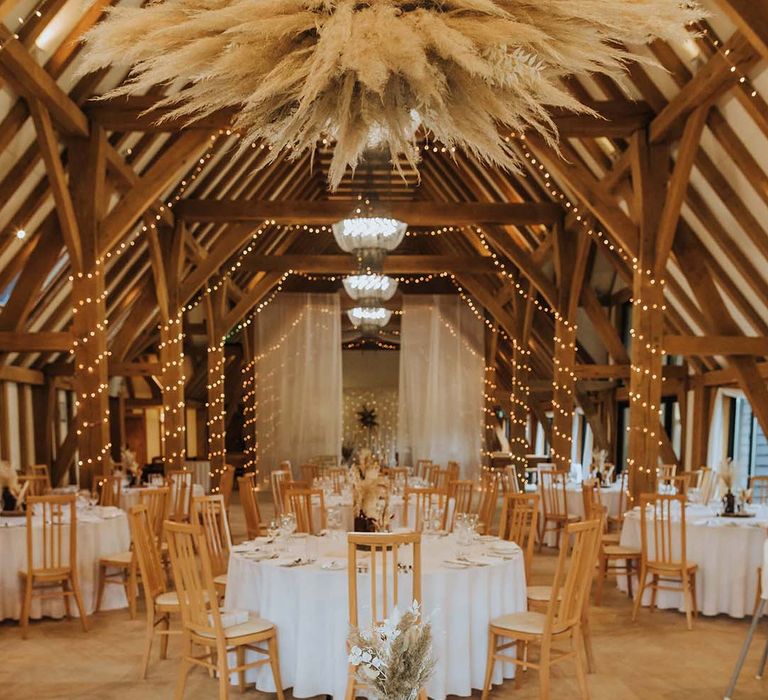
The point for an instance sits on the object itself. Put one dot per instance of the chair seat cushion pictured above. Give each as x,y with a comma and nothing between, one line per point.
220,581
254,625
611,538
525,622
119,559
617,551
540,594
169,599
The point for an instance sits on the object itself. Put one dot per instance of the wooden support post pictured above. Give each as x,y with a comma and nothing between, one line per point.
250,438
172,381
702,405
520,400
563,389
650,165
91,380
491,349
87,158
216,403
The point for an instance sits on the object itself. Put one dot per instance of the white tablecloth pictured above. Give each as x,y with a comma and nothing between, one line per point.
96,537
130,496
728,552
310,608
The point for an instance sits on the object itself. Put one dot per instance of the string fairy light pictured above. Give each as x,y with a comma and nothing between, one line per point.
216,407
171,350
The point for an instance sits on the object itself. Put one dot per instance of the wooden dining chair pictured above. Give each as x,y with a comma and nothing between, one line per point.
300,502
705,485
37,484
160,603
612,559
387,556
617,521
429,471
249,494
279,481
663,547
211,514
759,486
339,477
488,491
398,477
681,483
421,468
51,555
519,517
41,470
158,503
309,472
512,481
440,479
202,624
554,504
665,475
180,483
593,508
110,490
562,621
462,494
424,499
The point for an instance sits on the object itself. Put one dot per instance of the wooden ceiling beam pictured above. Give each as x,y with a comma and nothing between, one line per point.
393,264
42,341
715,345
615,118
329,212
751,19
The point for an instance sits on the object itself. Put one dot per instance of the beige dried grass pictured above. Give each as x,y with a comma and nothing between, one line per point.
358,71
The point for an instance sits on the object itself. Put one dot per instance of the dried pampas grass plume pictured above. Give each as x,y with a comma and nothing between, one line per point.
358,71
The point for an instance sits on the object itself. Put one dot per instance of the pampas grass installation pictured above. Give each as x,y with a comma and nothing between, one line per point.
367,72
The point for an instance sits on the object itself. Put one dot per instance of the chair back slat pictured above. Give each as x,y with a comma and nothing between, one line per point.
279,481
299,501
573,578
553,495
424,500
421,468
110,490
489,496
53,545
211,515
381,564
249,501
662,543
519,517
180,483
147,552
193,575
157,500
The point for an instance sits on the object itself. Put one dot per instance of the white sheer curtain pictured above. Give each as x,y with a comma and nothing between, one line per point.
297,341
441,410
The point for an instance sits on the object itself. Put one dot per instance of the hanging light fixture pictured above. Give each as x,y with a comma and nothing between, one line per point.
369,238
370,290
369,319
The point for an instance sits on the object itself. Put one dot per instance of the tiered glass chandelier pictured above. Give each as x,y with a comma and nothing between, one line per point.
370,239
369,320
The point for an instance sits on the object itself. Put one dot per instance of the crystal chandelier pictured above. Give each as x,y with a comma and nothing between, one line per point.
369,319
369,239
370,290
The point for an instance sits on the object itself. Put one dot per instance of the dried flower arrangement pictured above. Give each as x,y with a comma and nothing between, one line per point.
727,474
369,73
9,479
370,497
394,657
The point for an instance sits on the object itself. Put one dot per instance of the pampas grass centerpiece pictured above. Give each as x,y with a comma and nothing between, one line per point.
366,73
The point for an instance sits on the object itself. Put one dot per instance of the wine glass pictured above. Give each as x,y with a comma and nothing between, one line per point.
93,498
288,521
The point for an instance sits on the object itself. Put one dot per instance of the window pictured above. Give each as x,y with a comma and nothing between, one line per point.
747,444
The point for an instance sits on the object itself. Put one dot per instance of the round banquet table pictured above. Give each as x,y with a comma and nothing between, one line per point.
100,532
309,606
130,496
728,552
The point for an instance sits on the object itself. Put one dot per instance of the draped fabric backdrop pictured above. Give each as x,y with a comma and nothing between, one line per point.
297,341
441,406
